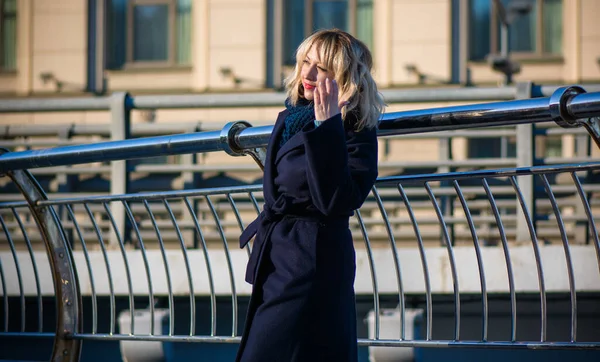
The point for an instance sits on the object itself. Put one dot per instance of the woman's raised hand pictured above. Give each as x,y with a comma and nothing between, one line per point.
326,100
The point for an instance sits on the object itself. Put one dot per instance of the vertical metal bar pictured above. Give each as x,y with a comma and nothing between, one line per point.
89,268
538,258
429,304
588,213
120,111
146,264
509,271
166,264
565,241
18,269
108,270
239,220
35,270
254,202
187,179
396,260
363,229
438,211
582,150
126,263
211,283
229,265
482,282
525,158
187,268
446,204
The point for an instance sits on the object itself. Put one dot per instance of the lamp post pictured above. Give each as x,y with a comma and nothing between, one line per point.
502,63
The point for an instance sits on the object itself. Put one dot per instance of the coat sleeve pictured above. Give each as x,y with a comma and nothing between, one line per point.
340,170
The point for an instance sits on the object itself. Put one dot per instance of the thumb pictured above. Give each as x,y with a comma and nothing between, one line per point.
343,104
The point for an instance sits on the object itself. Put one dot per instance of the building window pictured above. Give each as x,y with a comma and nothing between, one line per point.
553,146
493,147
8,35
303,17
148,33
535,34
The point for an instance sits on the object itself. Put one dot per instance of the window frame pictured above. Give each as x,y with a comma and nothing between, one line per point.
171,61
308,20
3,68
309,16
538,53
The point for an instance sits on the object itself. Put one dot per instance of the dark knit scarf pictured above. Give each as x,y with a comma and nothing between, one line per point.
299,115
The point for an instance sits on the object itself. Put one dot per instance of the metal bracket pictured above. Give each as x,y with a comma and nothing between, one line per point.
558,106
592,125
560,114
229,142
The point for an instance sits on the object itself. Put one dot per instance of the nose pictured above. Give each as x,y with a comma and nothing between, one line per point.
311,72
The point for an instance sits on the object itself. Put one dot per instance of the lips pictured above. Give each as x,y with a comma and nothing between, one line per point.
308,86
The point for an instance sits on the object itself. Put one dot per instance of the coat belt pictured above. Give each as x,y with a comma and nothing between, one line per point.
265,218
263,227
264,223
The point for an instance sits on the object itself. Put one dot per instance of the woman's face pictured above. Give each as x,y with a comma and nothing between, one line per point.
313,72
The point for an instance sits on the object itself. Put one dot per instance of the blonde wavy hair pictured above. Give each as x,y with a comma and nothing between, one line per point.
351,63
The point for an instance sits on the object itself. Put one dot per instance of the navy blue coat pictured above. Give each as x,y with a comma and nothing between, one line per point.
302,266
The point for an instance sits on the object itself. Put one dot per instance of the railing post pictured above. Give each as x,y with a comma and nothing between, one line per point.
120,129
525,158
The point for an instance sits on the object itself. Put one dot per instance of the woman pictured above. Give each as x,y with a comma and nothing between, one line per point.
320,166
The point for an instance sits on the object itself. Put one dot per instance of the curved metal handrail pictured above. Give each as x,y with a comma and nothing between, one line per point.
66,285
567,106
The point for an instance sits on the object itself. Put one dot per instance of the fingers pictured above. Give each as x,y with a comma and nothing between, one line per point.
334,88
326,99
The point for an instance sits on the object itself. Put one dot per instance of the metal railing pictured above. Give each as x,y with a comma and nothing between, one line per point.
137,262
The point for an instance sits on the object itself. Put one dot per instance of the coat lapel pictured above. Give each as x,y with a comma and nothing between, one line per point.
268,179
292,143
